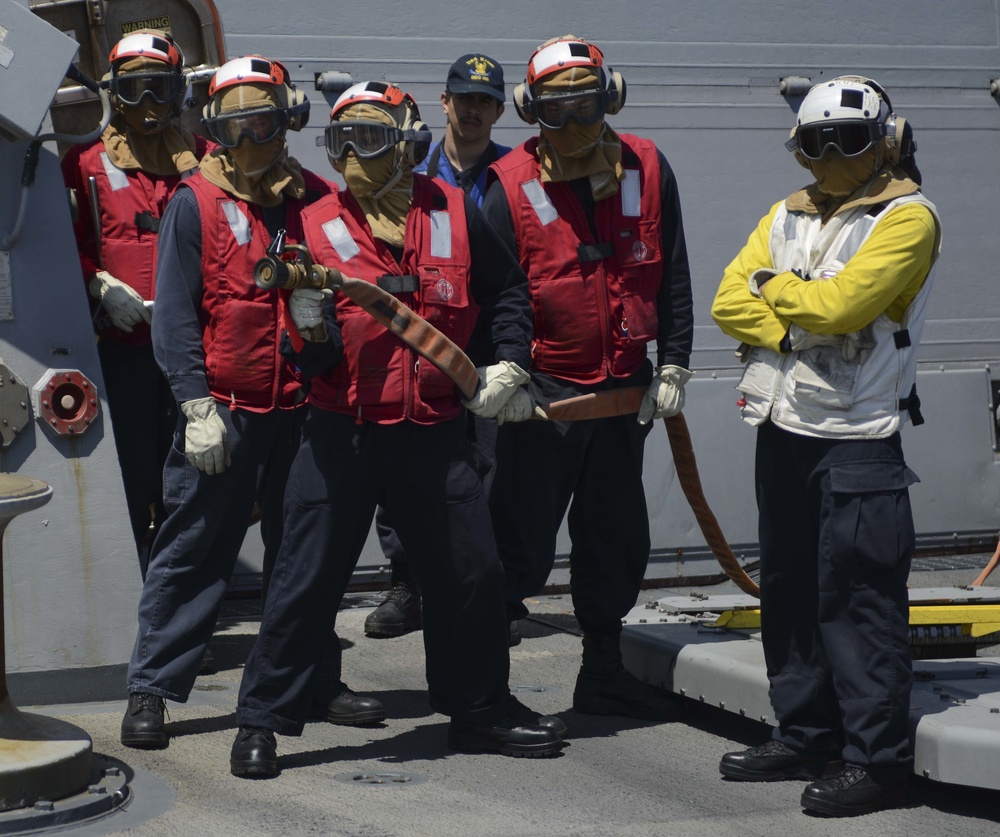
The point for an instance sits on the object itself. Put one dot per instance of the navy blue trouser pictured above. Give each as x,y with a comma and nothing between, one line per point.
424,476
836,540
541,467
483,437
196,548
143,415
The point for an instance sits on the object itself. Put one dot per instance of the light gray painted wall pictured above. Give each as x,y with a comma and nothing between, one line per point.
703,83
70,574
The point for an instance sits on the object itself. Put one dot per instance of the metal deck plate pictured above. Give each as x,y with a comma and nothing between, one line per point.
954,705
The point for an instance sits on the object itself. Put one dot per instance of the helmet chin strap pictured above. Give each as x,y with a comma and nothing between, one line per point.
397,175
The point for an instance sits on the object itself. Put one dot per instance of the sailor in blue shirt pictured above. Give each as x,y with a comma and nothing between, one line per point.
472,101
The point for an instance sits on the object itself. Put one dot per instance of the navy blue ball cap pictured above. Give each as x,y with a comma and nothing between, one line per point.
477,73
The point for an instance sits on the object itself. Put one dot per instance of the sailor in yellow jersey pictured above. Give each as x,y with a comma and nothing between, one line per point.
828,299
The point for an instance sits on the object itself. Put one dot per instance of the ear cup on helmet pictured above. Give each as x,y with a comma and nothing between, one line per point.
414,153
521,98
298,108
296,104
898,143
617,90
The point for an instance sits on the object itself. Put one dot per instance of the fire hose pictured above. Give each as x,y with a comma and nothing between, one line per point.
290,266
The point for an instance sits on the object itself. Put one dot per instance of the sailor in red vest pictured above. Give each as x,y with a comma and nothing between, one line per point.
222,344
387,427
473,101
595,219
126,176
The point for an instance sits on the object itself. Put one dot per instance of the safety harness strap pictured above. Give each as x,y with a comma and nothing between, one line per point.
912,406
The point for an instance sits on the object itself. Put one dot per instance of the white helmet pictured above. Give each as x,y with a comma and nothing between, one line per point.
848,98
850,113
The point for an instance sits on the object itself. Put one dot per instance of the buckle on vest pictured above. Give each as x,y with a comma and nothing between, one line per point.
395,285
595,252
145,220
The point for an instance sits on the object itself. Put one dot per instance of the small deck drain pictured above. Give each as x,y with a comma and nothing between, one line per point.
381,777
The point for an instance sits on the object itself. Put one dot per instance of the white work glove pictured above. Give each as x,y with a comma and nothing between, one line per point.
306,307
665,396
759,278
124,307
520,407
205,436
799,339
497,384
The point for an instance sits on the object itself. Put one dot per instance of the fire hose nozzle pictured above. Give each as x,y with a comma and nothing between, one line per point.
290,266
272,272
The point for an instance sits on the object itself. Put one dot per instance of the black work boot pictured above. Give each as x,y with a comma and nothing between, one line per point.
342,706
508,736
526,715
773,761
401,612
142,726
853,792
254,754
604,687
513,634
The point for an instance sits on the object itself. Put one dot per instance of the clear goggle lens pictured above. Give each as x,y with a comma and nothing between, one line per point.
584,108
368,139
260,126
849,138
162,87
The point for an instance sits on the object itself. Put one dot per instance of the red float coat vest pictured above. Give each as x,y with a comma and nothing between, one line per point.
131,203
593,299
380,378
242,324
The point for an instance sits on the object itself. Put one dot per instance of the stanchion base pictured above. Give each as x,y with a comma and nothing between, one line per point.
40,758
107,793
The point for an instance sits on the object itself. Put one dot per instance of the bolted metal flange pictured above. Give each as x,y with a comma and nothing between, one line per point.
66,401
15,411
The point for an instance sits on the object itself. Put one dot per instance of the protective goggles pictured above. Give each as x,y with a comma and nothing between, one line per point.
584,108
368,139
849,138
163,87
260,126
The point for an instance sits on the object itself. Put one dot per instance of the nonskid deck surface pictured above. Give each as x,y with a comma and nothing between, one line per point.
616,777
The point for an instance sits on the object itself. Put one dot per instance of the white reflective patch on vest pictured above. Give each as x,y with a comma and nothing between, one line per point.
238,222
441,234
540,202
631,194
791,232
118,178
340,239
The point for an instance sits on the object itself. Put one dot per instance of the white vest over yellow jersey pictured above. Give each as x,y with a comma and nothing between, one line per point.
816,392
